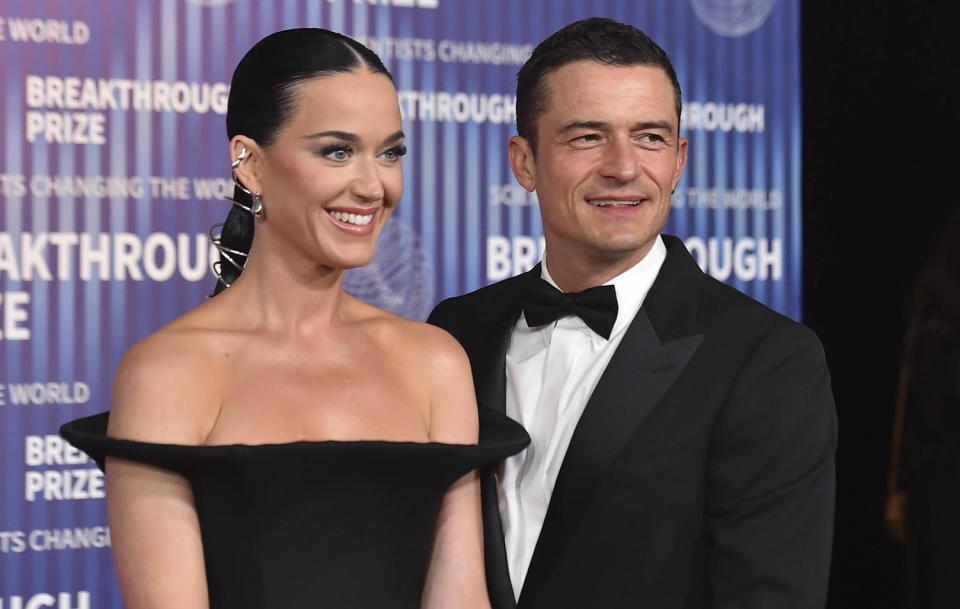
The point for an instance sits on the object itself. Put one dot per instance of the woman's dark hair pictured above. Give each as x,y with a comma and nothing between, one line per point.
263,93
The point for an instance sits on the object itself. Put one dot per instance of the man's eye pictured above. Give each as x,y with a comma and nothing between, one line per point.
651,138
337,153
588,138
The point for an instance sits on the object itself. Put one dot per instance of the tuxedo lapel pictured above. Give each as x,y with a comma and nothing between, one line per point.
638,375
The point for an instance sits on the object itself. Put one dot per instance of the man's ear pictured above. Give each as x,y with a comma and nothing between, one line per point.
522,162
250,155
681,161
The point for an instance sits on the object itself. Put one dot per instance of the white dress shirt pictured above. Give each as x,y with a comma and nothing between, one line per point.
551,372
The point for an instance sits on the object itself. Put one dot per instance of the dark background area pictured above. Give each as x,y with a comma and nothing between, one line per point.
880,170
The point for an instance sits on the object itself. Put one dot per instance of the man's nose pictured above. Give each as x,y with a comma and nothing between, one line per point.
620,160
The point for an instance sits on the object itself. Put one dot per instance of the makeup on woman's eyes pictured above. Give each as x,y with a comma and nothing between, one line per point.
343,152
337,152
333,145
344,145
393,153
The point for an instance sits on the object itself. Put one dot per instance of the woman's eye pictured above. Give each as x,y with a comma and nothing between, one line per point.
337,153
395,152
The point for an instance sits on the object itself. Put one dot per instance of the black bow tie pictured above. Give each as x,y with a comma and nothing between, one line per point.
544,304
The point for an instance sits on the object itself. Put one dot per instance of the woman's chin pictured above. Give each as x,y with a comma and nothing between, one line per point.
346,261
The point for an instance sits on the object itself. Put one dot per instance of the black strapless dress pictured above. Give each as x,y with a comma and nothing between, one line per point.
314,524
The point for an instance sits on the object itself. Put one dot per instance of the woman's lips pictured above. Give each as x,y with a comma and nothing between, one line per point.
355,221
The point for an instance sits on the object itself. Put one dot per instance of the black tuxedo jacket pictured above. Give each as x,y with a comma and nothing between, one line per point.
701,473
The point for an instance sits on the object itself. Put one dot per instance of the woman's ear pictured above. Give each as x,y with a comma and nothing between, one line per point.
245,158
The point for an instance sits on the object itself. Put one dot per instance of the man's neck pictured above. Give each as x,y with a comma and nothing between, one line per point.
576,274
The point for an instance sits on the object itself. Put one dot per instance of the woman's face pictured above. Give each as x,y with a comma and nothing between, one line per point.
332,176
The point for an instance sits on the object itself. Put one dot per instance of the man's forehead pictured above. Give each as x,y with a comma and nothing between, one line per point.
588,82
584,69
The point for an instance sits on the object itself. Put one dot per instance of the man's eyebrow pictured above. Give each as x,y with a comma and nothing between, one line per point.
645,125
584,125
641,126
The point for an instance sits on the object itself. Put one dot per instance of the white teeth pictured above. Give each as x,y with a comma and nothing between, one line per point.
604,202
357,219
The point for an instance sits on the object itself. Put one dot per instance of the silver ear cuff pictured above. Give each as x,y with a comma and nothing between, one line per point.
257,207
240,157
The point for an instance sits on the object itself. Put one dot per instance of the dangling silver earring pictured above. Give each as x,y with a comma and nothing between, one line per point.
257,208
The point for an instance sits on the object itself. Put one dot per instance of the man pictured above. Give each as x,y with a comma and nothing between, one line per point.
682,456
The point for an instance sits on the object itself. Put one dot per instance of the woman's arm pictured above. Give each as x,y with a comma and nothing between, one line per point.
155,537
456,577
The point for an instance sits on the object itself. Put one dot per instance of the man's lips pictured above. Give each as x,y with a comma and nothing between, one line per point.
617,201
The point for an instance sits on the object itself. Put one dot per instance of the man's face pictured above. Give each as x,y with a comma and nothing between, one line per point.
608,156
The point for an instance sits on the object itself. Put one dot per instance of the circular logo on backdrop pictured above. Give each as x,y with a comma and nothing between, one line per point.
400,276
733,17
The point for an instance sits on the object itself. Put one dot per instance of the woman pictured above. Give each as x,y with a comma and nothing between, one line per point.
285,444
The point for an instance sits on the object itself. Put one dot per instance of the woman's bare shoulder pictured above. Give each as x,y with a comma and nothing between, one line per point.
435,361
428,346
168,386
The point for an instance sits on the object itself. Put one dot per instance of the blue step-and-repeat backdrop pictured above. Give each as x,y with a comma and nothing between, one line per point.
113,162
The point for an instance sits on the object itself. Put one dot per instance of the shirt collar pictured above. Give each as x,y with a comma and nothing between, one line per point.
631,285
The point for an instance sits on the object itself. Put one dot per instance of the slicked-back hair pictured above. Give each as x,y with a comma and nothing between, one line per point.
596,39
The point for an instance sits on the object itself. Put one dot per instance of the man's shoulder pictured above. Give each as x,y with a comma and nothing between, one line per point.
722,299
713,302
478,302
721,310
750,323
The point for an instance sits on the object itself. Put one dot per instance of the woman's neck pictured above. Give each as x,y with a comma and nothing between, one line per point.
280,294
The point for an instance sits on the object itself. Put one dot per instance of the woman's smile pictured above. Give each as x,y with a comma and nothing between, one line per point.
354,221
